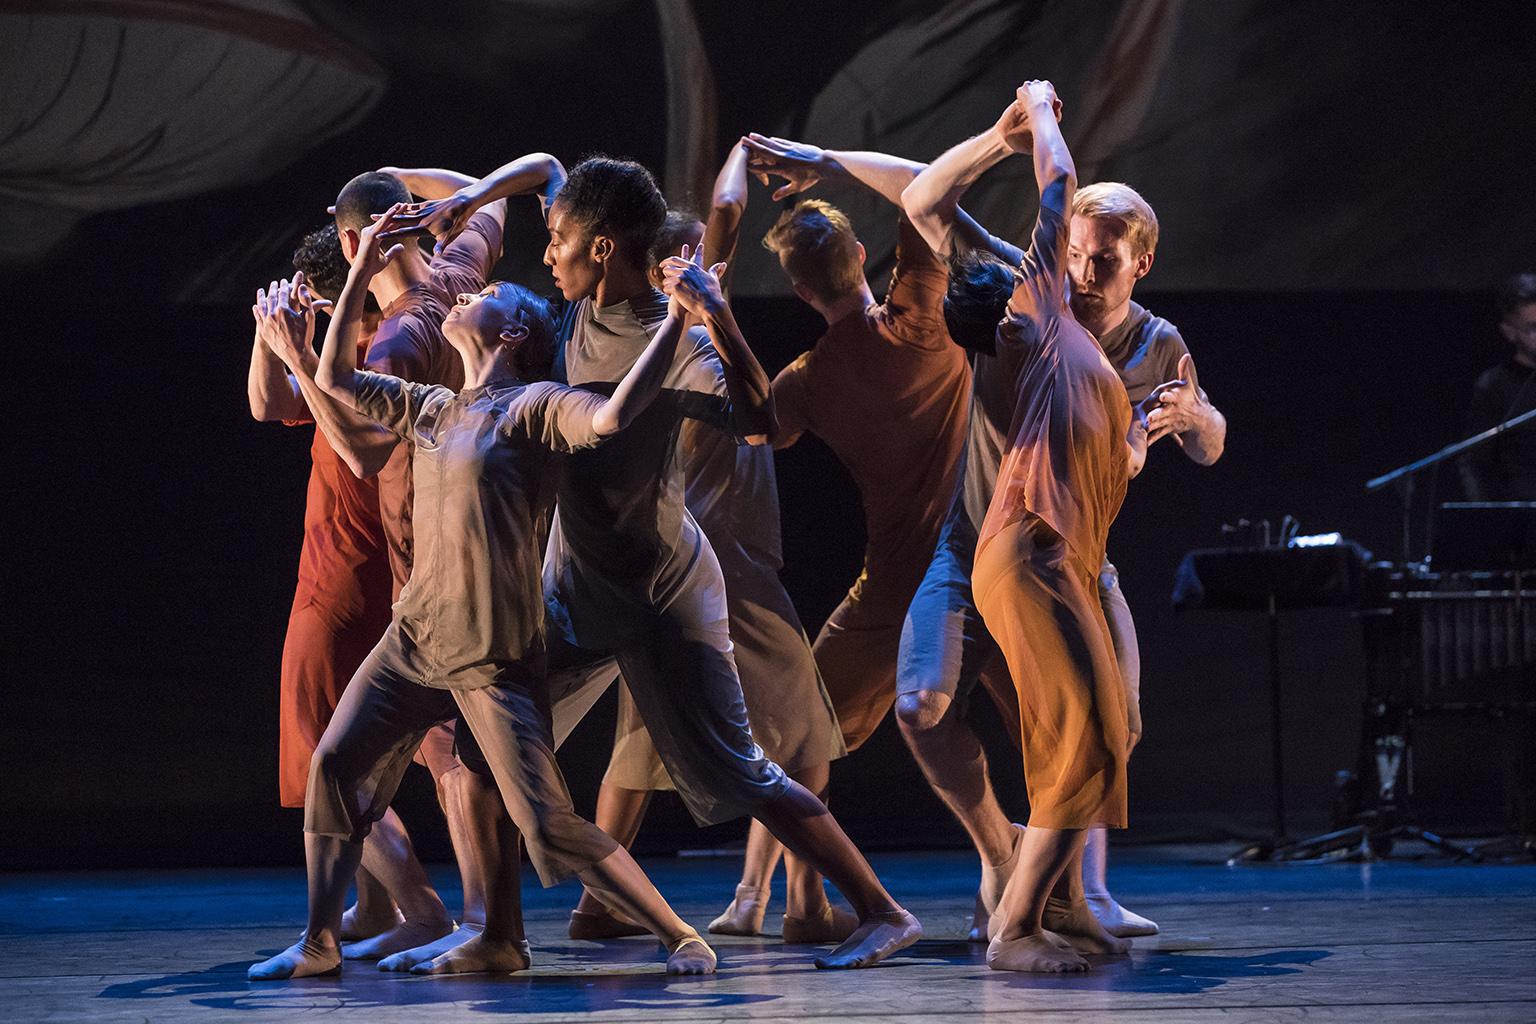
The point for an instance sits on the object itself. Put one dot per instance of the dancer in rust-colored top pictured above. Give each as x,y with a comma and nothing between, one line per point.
886,390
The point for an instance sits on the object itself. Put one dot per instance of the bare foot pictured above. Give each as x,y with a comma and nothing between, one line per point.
691,955
303,959
1034,953
1117,920
833,924
356,926
403,936
980,918
994,879
1076,923
408,958
480,955
877,937
602,924
745,914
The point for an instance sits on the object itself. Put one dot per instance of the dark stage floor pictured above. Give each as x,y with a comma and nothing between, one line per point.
1385,943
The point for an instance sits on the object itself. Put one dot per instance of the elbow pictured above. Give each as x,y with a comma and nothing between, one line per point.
729,205
929,217
606,422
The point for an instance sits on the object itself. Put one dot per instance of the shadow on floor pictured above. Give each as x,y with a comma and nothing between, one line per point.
1172,973
225,988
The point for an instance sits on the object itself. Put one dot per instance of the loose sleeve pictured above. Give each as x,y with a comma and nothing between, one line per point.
392,402
915,302
558,417
792,399
466,263
697,381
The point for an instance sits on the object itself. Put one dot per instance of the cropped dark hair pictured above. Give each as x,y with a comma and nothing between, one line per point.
678,225
1518,291
319,257
980,286
535,357
617,198
367,194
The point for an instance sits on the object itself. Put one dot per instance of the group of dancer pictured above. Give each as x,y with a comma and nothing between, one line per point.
517,502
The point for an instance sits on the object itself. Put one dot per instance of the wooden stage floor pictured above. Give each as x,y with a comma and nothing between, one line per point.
1400,941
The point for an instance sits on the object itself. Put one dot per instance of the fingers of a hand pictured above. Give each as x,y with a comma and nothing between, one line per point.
394,250
331,209
1187,370
718,268
321,305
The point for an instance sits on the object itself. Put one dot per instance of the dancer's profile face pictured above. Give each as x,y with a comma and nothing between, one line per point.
1101,265
572,257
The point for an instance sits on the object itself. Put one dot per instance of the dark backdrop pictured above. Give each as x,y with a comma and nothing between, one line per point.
150,181
155,532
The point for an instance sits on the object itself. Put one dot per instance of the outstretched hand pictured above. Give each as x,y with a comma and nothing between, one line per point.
801,165
1177,406
444,219
690,287
285,322
374,253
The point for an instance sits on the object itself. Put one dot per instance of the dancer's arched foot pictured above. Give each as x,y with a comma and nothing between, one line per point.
403,936
1076,923
745,914
601,924
480,955
303,959
832,924
1034,953
356,926
691,955
876,937
409,958
1117,920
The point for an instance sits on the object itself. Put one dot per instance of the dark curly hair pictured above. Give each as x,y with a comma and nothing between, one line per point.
319,257
617,198
980,286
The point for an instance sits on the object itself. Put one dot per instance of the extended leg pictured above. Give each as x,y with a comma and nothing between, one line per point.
620,813
809,917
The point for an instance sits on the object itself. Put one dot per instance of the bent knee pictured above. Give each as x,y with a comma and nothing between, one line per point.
923,710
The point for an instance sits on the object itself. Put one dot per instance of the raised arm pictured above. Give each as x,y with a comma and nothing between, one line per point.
727,207
430,182
802,166
446,217
272,392
336,371
932,201
1055,173
698,292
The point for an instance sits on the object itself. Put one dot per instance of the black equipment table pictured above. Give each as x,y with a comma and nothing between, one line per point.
1270,579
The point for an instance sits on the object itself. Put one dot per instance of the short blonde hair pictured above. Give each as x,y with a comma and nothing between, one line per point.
815,242
1120,202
